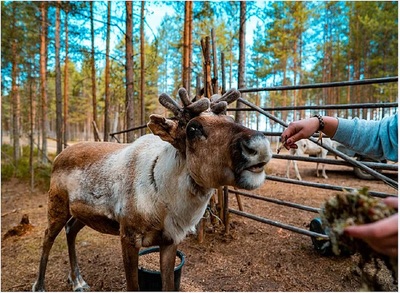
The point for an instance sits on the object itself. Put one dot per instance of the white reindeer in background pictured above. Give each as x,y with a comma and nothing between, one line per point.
307,147
155,190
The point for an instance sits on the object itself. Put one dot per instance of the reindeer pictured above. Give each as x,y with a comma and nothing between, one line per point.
307,147
155,190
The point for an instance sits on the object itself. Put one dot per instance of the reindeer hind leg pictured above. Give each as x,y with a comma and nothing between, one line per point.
72,228
58,215
288,168
317,169
323,172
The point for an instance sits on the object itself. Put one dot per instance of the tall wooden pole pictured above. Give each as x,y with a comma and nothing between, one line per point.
107,78
58,81
65,128
129,99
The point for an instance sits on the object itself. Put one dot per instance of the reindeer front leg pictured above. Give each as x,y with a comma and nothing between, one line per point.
167,264
296,169
130,256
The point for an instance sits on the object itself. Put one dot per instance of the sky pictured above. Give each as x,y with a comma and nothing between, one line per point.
154,16
157,13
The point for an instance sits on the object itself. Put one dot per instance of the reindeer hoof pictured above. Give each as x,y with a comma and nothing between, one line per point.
82,288
79,285
35,288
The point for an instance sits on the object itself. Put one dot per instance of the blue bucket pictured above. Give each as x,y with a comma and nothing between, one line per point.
150,280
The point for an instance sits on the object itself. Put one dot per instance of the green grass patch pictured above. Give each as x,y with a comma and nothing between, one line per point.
21,170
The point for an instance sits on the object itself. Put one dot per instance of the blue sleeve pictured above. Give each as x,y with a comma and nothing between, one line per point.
376,139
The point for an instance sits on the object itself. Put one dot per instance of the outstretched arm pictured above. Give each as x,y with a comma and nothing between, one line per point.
375,139
305,128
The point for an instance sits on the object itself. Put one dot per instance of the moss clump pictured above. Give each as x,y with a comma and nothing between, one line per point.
357,208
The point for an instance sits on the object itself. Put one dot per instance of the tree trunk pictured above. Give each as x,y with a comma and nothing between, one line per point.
240,115
32,98
43,80
187,36
16,103
205,46
230,70
185,47
295,80
190,18
215,62
93,69
284,93
15,98
300,93
129,99
58,81
142,68
223,73
66,76
348,95
107,78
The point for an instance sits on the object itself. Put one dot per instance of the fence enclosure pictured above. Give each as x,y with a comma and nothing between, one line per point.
369,167
380,109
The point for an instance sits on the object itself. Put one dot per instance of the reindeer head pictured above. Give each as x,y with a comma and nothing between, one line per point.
218,151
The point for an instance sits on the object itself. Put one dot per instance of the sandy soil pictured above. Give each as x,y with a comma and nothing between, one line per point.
253,257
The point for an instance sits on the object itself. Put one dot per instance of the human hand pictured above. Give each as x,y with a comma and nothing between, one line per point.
298,130
382,236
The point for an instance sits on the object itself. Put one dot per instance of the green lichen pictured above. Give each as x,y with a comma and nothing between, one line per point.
356,208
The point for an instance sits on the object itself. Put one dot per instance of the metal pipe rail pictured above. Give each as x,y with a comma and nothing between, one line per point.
374,173
320,85
346,159
279,224
358,164
324,186
276,201
375,165
324,107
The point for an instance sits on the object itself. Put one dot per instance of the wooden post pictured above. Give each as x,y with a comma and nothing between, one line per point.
96,131
226,209
200,231
215,63
220,202
223,89
205,45
213,210
239,201
198,87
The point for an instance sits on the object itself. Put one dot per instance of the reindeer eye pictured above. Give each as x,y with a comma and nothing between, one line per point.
194,130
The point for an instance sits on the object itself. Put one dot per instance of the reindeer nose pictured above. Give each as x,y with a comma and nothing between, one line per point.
257,146
249,148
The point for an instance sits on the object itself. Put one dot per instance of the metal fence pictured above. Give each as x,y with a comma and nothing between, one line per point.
368,167
348,161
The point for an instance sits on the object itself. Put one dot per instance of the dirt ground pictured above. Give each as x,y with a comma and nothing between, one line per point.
253,257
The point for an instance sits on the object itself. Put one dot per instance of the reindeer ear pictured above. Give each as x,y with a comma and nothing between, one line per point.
165,128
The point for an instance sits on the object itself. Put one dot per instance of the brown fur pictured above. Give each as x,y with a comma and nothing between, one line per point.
151,192
84,153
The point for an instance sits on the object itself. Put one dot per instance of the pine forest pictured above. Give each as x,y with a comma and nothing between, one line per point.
80,70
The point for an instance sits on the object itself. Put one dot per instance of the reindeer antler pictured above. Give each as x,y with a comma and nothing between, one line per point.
189,109
219,104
